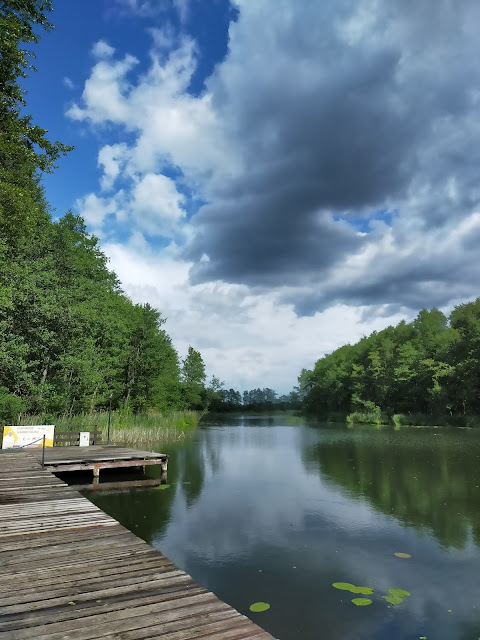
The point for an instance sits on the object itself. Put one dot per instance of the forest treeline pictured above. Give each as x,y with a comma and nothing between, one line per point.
254,400
429,367
70,339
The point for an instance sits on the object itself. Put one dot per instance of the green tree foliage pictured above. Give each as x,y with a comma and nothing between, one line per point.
25,151
70,340
193,380
429,366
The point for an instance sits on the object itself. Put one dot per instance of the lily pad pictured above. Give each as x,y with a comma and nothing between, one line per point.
393,599
257,607
361,602
161,487
402,555
344,586
401,593
365,591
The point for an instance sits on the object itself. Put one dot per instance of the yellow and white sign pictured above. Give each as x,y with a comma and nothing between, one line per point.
26,436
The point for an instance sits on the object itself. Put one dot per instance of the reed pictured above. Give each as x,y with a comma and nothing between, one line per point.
126,428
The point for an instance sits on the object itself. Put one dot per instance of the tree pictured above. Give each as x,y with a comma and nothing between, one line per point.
426,366
69,337
193,379
24,149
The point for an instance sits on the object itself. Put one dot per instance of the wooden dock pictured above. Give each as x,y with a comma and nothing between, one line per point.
71,572
97,457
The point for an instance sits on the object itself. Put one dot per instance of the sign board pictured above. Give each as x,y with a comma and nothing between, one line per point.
15,437
84,438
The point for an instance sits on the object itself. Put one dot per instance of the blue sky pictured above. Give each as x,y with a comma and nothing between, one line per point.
64,57
277,178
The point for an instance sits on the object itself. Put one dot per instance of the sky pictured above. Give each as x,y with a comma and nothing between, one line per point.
277,177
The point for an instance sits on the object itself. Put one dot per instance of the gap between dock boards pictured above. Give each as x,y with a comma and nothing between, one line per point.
68,570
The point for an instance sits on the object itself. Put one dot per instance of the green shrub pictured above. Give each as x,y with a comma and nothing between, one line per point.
428,420
364,417
10,407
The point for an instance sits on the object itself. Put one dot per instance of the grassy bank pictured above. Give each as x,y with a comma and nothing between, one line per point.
413,420
126,428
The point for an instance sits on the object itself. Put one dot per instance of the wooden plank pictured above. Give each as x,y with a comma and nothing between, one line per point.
24,580
12,604
94,452
96,626
26,619
123,484
56,541
89,466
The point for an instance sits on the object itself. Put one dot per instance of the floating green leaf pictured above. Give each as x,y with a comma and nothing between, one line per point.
346,586
257,607
161,487
401,593
361,602
365,591
393,599
402,555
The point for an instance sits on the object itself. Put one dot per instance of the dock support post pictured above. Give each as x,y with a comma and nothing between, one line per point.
96,472
109,419
164,464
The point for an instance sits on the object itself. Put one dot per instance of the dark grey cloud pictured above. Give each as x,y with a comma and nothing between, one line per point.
344,108
264,241
435,271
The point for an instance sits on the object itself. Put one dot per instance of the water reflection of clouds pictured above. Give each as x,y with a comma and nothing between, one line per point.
262,506
251,467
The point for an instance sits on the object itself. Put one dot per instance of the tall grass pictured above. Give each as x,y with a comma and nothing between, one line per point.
126,428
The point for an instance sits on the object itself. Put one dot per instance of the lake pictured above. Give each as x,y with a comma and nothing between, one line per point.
275,509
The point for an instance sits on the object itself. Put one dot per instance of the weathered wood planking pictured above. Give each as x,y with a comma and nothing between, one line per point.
97,457
69,571
97,453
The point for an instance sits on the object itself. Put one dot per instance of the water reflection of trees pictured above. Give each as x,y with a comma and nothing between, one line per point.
147,512
426,481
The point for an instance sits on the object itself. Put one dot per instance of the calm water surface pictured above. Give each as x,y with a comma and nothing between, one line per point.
276,510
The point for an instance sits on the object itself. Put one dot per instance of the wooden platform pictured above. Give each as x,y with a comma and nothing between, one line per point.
70,572
62,459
